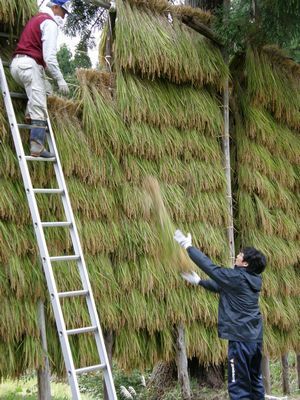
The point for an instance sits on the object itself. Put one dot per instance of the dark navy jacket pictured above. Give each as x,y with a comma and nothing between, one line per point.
239,317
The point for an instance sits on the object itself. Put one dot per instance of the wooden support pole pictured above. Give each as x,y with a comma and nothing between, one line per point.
182,363
298,370
43,373
109,342
265,364
285,374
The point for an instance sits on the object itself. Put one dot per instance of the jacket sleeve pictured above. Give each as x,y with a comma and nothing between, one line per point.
49,31
225,277
210,285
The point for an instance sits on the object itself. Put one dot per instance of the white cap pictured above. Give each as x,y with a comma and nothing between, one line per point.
66,5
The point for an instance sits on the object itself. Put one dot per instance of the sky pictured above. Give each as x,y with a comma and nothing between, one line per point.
71,42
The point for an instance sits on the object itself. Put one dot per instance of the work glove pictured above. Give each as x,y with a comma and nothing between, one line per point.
191,277
63,87
184,241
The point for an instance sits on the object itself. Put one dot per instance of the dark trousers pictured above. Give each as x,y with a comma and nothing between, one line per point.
244,371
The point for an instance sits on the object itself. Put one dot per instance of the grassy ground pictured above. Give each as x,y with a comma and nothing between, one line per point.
26,388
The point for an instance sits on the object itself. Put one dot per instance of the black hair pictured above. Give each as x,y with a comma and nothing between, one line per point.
256,260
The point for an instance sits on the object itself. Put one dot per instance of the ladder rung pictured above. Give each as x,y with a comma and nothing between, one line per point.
55,224
90,369
77,331
29,126
75,293
65,258
18,95
49,191
30,158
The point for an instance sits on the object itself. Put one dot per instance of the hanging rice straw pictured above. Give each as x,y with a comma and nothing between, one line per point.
165,228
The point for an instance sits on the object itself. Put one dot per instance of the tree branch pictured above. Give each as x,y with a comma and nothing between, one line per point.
99,3
201,28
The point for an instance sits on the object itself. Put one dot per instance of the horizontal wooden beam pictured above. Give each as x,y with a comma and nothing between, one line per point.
202,29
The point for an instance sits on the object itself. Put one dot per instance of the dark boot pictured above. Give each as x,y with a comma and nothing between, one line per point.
37,139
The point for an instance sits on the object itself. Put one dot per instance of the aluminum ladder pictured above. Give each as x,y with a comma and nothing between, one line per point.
47,260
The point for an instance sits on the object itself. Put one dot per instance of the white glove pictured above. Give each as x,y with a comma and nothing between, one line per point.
191,277
63,87
184,241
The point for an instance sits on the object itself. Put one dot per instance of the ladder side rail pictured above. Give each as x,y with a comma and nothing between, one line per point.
82,267
39,235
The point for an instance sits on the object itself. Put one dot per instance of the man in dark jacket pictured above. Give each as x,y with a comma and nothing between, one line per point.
239,317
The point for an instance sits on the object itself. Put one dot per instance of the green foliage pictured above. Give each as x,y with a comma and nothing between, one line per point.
68,64
85,19
269,22
64,58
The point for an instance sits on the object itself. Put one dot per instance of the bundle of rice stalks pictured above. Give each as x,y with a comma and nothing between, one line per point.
280,253
169,250
281,282
12,196
14,15
281,312
204,344
159,6
15,240
72,141
9,167
151,143
163,104
100,118
277,138
156,45
17,319
25,279
271,192
100,237
271,165
103,81
272,87
92,202
210,239
130,200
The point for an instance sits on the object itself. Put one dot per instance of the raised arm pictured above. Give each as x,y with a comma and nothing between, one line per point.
225,277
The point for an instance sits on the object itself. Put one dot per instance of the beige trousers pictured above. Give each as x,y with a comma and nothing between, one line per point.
27,73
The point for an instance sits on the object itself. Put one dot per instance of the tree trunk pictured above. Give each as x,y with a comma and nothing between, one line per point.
109,41
43,373
109,342
266,374
182,364
285,374
298,370
162,378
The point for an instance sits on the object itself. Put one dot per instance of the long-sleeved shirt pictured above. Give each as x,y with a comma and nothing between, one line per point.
49,30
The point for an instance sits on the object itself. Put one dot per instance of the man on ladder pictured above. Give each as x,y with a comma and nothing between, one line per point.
35,52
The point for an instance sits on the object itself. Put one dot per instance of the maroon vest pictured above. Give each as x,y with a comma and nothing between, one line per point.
30,42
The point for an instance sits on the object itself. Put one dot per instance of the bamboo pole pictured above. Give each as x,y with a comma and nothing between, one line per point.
226,152
182,364
43,373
